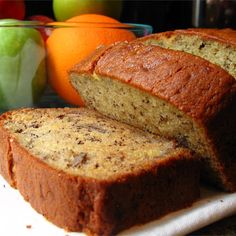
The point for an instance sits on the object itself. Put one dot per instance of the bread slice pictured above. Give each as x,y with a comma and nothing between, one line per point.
84,171
215,45
167,92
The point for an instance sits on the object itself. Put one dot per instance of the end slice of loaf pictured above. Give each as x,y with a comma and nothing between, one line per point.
167,92
215,45
84,171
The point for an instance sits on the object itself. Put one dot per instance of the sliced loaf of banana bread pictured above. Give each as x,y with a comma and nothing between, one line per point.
84,171
167,92
215,45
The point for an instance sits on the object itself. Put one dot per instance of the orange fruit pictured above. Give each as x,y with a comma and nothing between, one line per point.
66,46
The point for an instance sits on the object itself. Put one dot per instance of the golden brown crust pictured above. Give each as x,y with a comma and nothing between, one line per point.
193,85
89,62
225,36
98,207
6,158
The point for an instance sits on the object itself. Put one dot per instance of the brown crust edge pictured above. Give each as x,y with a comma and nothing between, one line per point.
207,34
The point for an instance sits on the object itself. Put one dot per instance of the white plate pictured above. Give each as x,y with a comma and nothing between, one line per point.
17,218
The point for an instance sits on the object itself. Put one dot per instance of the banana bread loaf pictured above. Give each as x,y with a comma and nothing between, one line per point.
167,92
84,171
215,45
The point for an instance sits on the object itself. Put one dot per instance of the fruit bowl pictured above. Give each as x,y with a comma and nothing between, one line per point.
23,65
28,73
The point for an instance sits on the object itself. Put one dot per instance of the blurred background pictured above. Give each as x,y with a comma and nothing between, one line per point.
164,15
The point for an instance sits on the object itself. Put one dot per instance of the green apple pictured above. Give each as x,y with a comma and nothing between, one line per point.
65,9
22,67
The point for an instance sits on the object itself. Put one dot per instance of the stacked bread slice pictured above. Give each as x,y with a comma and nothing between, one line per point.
86,172
215,45
170,93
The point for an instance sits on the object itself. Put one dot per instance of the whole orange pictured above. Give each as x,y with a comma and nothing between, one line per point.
66,46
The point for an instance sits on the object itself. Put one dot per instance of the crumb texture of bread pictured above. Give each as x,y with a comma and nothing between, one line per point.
171,93
215,45
82,142
85,172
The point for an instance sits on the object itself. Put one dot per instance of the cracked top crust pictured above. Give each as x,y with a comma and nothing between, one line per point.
225,36
192,84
